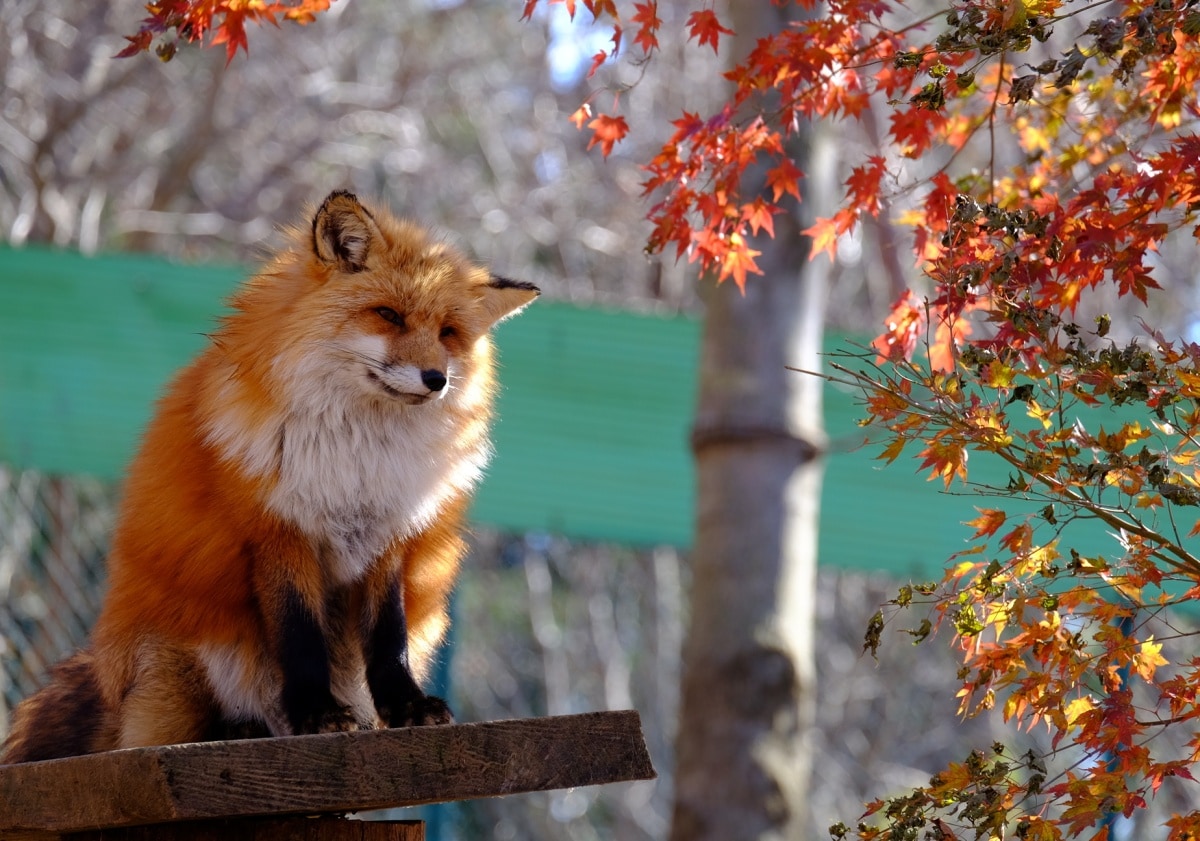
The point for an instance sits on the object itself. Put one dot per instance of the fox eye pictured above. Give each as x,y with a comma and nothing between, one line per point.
448,332
390,315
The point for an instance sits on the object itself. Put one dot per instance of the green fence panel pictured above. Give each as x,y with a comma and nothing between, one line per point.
593,419
593,413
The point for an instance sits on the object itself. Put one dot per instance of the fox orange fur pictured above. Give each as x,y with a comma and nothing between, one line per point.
290,530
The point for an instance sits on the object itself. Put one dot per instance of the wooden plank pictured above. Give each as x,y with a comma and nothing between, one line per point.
262,829
326,773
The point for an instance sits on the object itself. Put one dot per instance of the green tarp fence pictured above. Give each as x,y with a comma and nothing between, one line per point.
594,415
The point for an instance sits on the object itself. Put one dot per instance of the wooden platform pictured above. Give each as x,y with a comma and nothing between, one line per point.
329,774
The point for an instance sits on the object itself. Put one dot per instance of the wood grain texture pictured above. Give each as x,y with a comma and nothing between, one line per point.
262,829
329,773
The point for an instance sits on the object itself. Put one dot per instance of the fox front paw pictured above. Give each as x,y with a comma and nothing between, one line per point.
338,719
420,711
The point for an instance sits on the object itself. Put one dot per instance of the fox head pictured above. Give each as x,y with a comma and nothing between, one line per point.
368,307
411,309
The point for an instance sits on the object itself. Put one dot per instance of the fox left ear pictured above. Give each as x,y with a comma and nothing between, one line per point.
342,232
503,298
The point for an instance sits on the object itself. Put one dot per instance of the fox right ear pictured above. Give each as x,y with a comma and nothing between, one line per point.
342,232
502,298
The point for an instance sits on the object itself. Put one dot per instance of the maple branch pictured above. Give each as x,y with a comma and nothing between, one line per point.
1186,563
991,121
1183,561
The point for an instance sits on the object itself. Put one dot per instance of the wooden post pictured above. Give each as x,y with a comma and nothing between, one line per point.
328,774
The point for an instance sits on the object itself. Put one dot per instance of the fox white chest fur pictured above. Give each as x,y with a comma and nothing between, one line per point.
357,483
354,472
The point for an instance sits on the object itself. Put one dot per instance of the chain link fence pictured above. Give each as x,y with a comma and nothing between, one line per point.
543,625
53,536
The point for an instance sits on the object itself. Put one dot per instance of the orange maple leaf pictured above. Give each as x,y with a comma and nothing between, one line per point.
904,325
825,232
137,43
759,215
738,260
581,115
307,11
950,334
988,521
607,131
946,459
824,238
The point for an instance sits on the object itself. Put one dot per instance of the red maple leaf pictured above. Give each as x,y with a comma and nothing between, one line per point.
137,43
705,27
598,59
645,15
862,187
599,8
231,32
785,177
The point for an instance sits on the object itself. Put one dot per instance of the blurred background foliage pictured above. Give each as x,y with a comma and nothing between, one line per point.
454,112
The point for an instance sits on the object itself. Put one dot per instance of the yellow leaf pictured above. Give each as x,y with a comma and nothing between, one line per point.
1039,558
1129,481
1039,414
1147,659
1148,501
1190,382
893,451
1185,456
964,568
1077,708
1033,138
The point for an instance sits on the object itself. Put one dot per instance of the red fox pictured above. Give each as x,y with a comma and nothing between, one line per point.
290,530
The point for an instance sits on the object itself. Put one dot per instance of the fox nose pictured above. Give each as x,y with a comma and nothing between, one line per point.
434,380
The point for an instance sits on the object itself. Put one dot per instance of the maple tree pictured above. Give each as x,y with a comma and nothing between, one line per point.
1069,157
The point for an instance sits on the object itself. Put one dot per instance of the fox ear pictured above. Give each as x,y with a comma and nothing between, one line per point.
342,232
503,298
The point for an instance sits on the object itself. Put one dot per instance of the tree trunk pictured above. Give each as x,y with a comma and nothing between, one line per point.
742,750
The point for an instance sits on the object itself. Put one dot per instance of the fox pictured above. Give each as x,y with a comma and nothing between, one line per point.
293,523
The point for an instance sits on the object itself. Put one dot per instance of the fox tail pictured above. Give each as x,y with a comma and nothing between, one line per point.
65,718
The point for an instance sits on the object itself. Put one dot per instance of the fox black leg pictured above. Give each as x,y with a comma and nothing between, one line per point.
398,699
308,701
